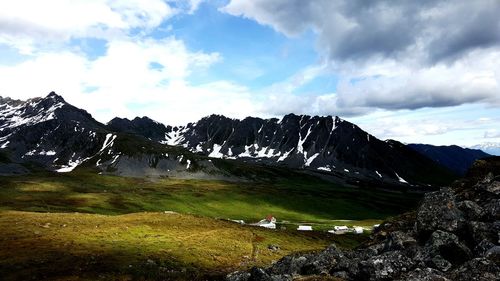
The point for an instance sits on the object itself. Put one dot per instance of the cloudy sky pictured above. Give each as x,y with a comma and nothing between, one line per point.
417,71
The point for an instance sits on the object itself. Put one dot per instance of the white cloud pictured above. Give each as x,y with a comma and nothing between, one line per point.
124,84
471,79
392,55
30,24
492,133
455,125
193,5
137,75
359,29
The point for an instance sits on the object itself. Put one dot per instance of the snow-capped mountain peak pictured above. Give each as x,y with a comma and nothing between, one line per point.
492,148
61,137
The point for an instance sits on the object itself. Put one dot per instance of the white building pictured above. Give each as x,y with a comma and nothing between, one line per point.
340,228
358,230
304,228
264,223
268,222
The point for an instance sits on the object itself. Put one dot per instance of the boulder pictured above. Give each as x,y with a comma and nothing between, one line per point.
291,265
347,266
259,274
492,209
238,276
480,231
425,274
481,248
471,210
322,262
273,247
399,240
490,184
439,211
493,254
440,263
476,269
386,266
445,246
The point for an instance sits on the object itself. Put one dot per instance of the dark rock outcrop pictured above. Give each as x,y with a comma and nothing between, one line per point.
142,126
453,235
439,211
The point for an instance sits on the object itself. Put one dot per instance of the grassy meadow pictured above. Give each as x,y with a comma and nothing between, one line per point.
85,226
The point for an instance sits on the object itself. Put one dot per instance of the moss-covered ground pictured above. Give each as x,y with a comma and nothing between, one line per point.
84,226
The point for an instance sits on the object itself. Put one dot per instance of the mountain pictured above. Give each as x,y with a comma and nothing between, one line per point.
143,126
329,145
492,148
48,131
455,158
50,134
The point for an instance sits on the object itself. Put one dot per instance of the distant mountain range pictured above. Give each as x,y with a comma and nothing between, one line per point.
492,148
453,157
326,144
48,133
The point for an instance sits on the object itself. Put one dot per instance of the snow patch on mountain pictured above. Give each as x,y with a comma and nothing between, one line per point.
492,148
5,144
300,145
108,142
311,159
216,152
328,169
19,115
114,159
284,156
70,166
400,179
42,152
175,136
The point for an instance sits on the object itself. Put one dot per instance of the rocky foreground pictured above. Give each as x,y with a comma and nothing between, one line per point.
453,235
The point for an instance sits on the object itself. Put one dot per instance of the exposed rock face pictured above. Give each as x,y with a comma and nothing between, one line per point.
142,126
49,133
55,135
439,211
453,235
328,145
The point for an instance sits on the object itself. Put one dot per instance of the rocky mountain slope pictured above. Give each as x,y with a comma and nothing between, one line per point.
322,144
453,235
48,133
455,158
142,126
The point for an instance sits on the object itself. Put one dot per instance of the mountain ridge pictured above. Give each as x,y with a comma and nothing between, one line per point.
296,141
61,137
456,158
492,148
